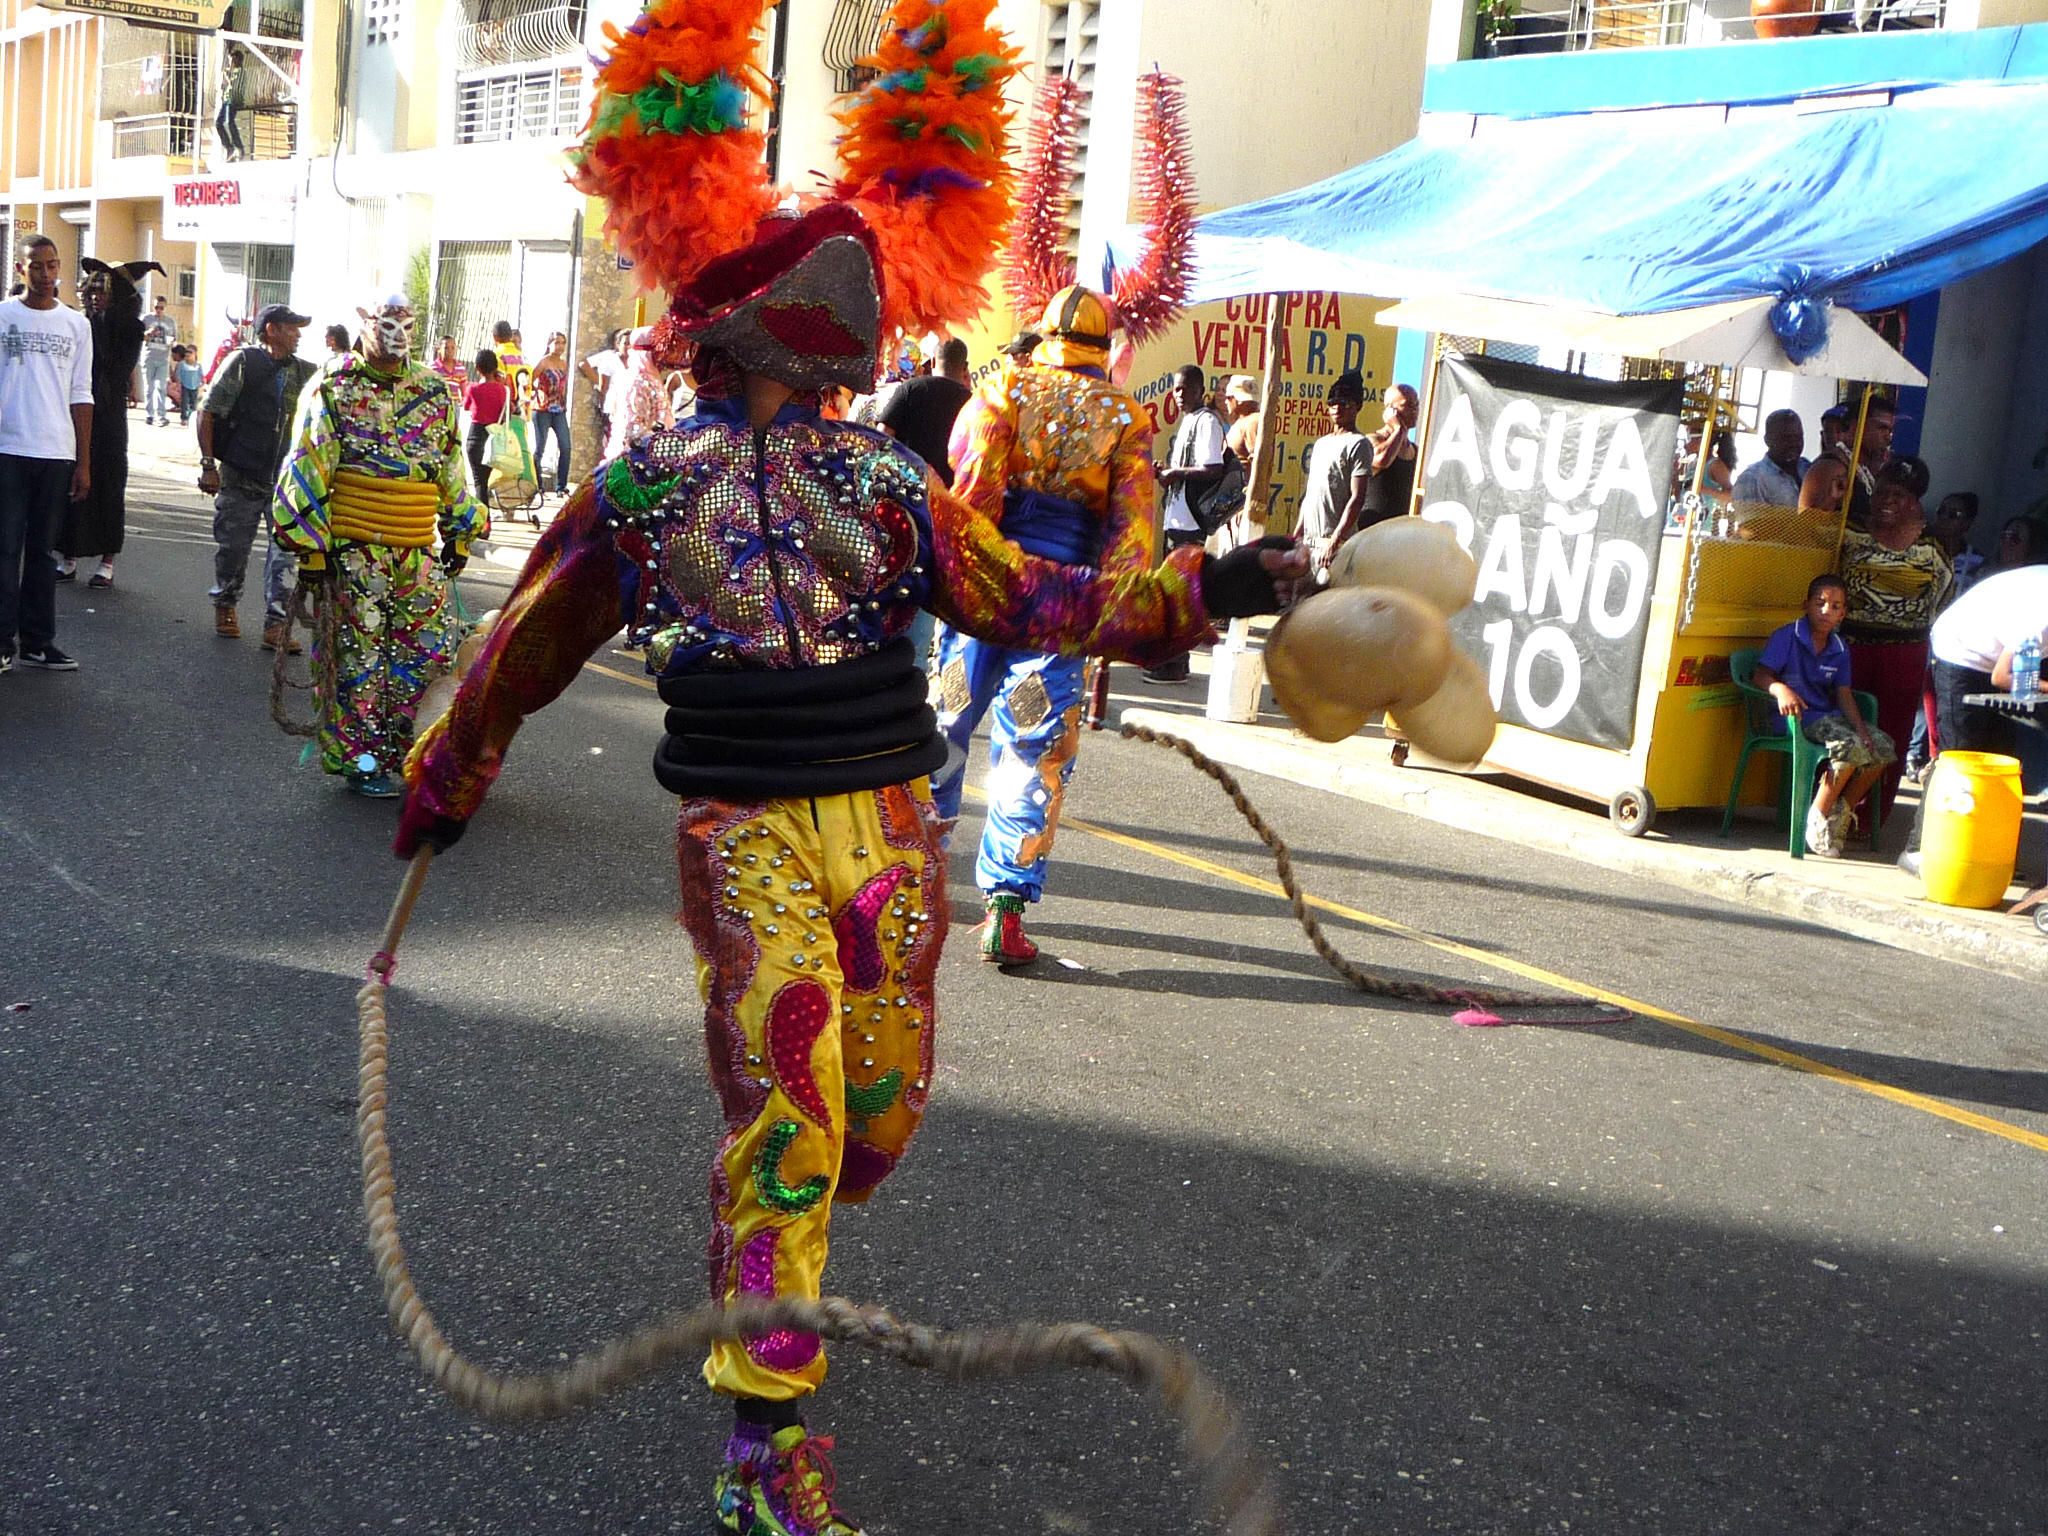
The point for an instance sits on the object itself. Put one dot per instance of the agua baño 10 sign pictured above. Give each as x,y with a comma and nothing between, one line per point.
1556,484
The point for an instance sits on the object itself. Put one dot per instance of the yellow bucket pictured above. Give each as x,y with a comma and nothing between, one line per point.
1970,836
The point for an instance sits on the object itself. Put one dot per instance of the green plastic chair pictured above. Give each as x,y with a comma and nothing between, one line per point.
1770,731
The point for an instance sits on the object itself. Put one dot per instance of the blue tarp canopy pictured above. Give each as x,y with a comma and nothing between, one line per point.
1638,213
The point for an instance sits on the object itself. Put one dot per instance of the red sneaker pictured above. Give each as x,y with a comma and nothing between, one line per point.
1002,936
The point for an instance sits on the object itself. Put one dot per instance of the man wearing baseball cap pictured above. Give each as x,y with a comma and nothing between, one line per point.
244,427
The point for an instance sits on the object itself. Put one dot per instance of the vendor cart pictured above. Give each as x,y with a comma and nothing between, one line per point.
1653,718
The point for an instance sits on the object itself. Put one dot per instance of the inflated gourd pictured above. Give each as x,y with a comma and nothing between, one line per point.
465,653
1410,553
1456,723
439,696
1349,652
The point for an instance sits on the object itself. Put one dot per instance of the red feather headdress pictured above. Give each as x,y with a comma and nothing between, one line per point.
1148,297
1036,266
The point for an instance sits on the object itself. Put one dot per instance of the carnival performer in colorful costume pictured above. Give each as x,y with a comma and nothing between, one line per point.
1053,450
1058,457
374,501
771,562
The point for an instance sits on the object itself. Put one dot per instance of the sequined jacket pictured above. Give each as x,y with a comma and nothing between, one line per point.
804,544
389,426
1067,434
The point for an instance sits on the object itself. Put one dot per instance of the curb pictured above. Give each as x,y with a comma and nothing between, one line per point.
1455,802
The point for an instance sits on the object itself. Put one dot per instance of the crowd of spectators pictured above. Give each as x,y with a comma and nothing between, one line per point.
1898,572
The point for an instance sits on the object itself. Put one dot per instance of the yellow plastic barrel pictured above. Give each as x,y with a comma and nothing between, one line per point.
1970,837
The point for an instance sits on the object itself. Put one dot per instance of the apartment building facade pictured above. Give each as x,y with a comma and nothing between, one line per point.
418,144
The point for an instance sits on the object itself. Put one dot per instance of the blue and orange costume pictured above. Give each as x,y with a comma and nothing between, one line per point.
1058,457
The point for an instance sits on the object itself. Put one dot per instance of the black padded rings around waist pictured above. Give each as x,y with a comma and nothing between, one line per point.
855,725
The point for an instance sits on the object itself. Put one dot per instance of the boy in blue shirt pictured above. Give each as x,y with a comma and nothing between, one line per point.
186,360
1805,668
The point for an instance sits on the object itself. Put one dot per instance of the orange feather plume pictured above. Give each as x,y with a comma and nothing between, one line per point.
667,145
924,159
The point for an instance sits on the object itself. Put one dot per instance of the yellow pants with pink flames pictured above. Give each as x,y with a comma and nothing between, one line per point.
817,924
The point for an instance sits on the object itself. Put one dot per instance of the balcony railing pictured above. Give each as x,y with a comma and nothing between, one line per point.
284,20
158,133
518,32
1572,26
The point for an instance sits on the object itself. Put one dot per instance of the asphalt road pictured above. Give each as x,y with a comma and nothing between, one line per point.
1621,1279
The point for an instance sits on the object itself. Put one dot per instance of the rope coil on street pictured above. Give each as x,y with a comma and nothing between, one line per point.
1236,1485
320,621
1369,981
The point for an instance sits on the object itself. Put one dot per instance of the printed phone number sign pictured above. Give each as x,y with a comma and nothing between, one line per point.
1556,485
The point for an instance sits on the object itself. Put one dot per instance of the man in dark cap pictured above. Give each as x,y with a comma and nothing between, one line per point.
244,427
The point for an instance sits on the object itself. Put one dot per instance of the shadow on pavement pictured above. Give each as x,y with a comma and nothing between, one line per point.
195,1340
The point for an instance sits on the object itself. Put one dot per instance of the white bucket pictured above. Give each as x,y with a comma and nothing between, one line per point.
1236,674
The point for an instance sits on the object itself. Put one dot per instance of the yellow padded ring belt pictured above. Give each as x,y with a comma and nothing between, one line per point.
401,514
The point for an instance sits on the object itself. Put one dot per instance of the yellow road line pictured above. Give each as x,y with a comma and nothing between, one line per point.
624,677
1728,1037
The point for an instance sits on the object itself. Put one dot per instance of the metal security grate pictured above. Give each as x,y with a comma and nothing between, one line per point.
472,292
519,104
269,269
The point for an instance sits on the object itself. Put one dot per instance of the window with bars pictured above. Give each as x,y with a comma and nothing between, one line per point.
269,270
494,106
1070,47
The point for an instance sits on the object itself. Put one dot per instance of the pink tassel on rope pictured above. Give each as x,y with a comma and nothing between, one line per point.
1036,265
1152,294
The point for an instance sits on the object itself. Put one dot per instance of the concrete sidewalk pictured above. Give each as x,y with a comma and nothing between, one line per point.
1865,895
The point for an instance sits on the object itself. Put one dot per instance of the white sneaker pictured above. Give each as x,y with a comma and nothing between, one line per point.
1838,826
1820,835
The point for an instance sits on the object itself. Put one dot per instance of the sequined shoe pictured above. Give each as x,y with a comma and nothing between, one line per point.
1002,936
374,786
778,1485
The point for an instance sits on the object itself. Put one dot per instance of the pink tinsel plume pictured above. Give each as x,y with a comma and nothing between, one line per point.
1036,265
1152,294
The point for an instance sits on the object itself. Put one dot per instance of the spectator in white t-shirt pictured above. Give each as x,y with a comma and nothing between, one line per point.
600,370
45,431
1333,486
1195,459
1194,462
1972,645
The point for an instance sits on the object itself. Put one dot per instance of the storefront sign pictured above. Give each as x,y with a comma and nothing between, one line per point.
1556,485
251,206
182,15
1324,335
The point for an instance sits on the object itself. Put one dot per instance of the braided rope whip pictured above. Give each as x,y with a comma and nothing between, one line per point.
1473,999
322,622
1236,1484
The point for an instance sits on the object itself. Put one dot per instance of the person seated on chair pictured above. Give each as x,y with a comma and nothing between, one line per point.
1805,668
